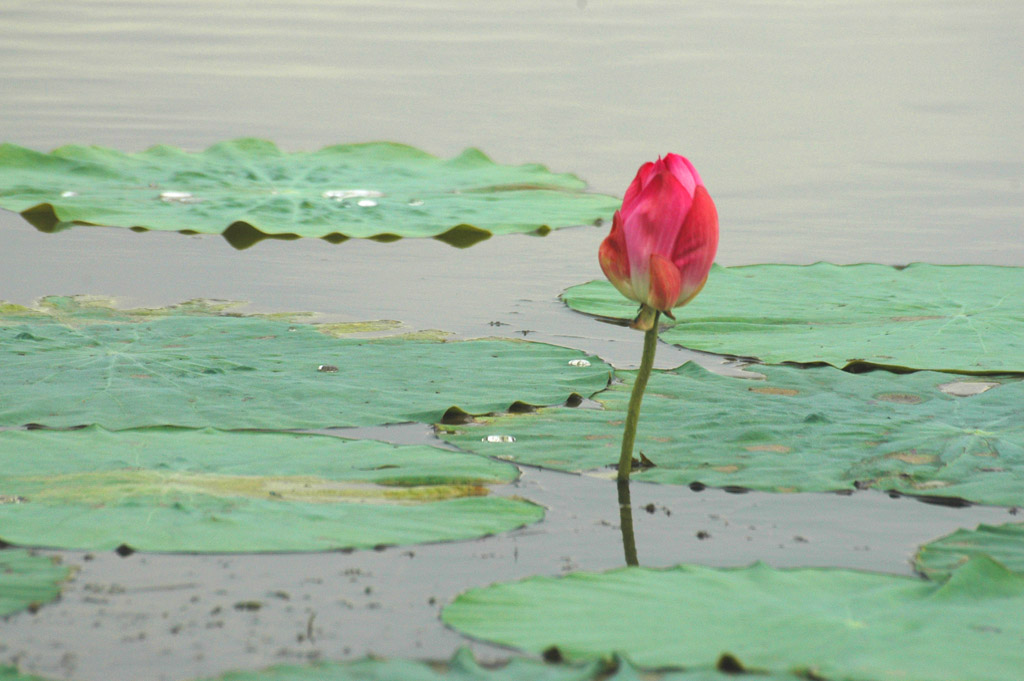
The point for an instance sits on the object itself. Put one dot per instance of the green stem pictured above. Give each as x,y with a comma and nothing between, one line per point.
633,415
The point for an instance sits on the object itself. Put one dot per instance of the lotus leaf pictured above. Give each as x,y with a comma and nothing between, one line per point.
207,490
963,318
801,430
12,674
380,190
1004,543
72,363
26,580
463,667
822,623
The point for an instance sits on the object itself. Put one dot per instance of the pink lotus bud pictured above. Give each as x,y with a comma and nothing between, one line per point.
663,239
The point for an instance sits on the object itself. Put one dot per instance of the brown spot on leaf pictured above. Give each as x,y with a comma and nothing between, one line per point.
778,449
772,390
900,398
726,469
913,457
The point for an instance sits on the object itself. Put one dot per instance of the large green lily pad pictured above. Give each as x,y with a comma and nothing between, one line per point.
381,190
71,363
463,667
211,491
964,318
1004,543
27,580
798,430
835,624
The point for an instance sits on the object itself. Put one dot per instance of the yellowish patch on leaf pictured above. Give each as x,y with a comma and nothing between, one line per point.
772,390
347,328
913,457
931,484
111,486
778,449
900,398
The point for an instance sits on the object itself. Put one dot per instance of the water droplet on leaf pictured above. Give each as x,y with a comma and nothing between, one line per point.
178,197
342,194
579,363
327,368
68,194
967,388
498,438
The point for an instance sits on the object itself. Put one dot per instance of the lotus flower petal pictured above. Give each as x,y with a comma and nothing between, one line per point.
664,237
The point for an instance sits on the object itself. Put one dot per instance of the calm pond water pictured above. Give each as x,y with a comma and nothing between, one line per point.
861,131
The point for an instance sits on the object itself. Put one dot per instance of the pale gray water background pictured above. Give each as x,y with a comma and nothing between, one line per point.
841,131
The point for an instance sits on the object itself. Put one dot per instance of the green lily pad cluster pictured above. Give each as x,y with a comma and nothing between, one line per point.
74,362
960,318
794,431
241,492
943,422
26,580
1004,543
812,427
249,189
183,430
818,623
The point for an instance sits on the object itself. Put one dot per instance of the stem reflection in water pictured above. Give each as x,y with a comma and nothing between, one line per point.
626,523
